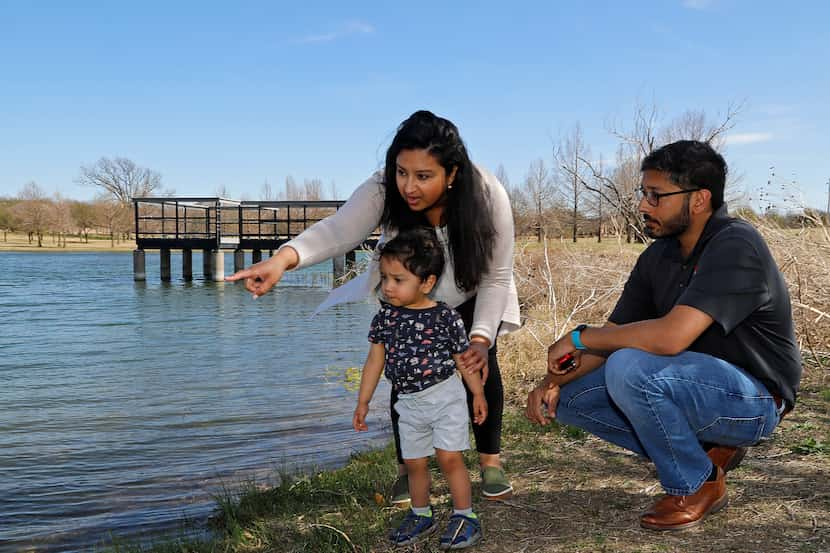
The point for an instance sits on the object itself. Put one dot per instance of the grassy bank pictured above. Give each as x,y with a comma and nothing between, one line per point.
574,494
19,242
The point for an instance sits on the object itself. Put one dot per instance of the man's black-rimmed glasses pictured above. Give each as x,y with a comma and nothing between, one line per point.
653,197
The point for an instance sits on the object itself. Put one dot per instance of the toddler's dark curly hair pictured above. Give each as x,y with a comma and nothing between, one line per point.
418,250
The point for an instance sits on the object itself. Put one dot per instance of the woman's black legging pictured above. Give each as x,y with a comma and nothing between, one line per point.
488,434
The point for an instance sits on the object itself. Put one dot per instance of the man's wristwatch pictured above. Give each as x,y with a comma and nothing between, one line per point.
575,337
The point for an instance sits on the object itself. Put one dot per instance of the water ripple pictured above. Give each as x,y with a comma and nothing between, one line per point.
127,405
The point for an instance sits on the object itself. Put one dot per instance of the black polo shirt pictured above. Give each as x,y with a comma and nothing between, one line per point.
732,277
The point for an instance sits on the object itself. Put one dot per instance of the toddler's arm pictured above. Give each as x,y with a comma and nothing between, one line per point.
476,386
372,370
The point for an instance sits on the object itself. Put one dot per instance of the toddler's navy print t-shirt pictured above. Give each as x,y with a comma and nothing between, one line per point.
419,344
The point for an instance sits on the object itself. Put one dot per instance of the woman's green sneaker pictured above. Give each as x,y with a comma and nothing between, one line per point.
400,491
494,484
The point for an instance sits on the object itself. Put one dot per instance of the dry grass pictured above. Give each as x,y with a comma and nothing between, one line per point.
580,494
19,242
560,285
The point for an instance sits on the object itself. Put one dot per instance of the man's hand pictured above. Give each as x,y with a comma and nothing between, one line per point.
479,409
557,350
359,418
541,403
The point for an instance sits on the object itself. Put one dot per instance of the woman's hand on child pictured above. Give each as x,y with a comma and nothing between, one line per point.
359,418
475,359
479,409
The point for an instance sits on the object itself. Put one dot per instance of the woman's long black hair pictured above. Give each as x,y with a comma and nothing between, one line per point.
467,212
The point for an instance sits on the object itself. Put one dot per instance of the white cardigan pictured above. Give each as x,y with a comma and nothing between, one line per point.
497,302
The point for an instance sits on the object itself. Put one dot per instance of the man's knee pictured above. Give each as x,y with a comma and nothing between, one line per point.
628,370
584,394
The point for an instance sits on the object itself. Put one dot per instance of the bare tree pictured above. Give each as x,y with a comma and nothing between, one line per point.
222,191
61,219
266,192
501,175
618,187
113,215
33,212
572,172
600,214
291,191
518,201
8,220
83,214
120,178
312,189
540,191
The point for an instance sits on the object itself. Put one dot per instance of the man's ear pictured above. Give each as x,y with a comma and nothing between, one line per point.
702,201
428,284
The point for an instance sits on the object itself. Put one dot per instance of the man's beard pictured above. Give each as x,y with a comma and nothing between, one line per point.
672,227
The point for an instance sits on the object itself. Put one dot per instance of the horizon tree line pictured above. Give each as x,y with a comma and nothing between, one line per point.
570,195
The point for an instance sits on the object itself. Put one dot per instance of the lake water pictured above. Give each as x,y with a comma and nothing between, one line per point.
125,406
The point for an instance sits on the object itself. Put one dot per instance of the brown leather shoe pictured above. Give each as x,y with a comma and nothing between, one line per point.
676,512
726,457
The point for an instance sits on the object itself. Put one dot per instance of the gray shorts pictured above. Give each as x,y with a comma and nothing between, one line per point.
434,418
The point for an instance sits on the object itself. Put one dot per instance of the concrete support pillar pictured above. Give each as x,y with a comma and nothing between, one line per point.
218,265
338,268
187,265
207,264
256,256
164,264
139,273
238,260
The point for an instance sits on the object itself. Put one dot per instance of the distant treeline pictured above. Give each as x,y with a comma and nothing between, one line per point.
111,213
60,217
573,194
38,215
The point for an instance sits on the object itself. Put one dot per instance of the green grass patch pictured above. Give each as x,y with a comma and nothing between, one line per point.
331,511
327,511
810,446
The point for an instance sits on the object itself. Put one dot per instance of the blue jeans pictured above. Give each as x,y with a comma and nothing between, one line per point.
663,407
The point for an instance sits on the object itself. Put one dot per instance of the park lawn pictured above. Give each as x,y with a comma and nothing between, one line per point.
19,242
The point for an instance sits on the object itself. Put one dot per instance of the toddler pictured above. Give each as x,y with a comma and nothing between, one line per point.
416,342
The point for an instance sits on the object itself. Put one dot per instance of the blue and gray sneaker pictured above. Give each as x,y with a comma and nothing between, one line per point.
462,531
413,529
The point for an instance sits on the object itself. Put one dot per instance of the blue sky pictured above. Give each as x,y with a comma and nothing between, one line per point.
232,94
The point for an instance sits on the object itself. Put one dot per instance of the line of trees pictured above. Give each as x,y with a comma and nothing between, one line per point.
575,194
569,195
36,214
116,181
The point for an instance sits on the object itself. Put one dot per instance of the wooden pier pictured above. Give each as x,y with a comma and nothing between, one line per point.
216,225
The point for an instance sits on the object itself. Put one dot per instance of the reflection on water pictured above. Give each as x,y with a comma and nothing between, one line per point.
126,405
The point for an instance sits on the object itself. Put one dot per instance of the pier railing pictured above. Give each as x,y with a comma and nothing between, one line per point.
222,223
213,224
